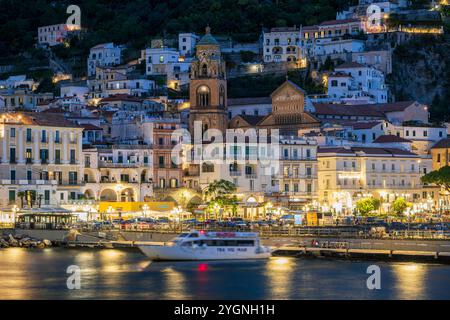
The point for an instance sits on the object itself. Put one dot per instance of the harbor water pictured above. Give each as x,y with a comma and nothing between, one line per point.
115,274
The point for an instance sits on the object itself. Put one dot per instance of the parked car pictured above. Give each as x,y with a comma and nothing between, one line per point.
398,226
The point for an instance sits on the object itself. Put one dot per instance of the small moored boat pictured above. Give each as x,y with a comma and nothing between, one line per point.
201,245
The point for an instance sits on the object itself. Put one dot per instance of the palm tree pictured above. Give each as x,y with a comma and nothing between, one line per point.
31,197
21,195
40,200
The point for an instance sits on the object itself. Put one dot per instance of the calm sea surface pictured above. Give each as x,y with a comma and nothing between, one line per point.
113,274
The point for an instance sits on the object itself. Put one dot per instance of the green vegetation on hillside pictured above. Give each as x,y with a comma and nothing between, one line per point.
136,22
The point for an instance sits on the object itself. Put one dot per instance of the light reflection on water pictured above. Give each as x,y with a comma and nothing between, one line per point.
113,274
279,272
411,280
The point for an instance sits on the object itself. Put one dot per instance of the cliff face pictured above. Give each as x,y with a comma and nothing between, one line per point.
421,70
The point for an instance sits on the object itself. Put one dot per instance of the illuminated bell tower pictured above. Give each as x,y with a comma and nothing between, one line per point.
208,86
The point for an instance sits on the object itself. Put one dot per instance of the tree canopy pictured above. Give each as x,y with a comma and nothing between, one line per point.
399,206
439,177
221,195
135,22
367,206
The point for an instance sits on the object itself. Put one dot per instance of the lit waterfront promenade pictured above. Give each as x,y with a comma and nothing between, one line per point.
431,250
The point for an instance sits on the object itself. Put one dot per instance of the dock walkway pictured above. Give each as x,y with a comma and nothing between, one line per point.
364,254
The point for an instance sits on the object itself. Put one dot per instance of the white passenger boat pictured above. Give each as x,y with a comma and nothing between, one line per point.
201,245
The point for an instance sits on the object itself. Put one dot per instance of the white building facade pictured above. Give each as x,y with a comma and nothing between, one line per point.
103,55
355,81
170,63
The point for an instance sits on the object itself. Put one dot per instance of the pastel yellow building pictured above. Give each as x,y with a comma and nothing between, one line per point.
440,154
39,152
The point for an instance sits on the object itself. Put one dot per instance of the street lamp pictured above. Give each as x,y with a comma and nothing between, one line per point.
145,210
110,211
176,214
15,209
217,210
268,208
408,214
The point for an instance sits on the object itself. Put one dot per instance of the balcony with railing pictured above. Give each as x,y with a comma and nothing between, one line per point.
235,173
298,158
105,164
78,202
251,176
30,182
113,180
308,176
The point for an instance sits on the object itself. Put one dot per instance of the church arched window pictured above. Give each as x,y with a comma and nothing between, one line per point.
204,71
203,96
222,96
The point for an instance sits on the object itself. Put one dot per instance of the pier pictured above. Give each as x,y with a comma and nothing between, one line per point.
380,250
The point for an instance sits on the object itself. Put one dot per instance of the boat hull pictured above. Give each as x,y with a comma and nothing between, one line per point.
177,253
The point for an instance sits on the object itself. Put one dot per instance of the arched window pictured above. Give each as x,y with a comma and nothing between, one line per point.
203,94
204,72
222,96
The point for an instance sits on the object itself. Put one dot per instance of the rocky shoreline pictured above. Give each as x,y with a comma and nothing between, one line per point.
23,241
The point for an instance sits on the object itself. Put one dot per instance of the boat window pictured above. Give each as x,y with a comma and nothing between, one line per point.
246,243
228,243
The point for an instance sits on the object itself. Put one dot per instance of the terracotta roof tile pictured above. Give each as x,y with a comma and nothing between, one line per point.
389,138
442,144
336,22
358,125
44,119
378,110
252,120
91,127
387,152
121,97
